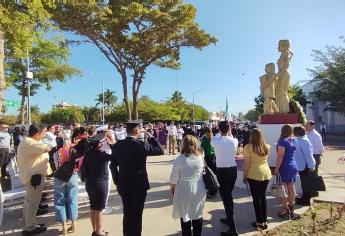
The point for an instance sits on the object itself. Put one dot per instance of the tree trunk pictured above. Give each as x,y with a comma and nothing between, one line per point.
2,68
135,91
125,95
22,110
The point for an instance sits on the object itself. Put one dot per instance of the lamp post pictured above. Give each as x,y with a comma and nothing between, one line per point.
102,102
29,76
199,90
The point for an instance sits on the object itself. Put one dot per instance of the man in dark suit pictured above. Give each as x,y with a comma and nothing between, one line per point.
128,167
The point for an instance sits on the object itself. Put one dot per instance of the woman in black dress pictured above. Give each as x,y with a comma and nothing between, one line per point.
95,168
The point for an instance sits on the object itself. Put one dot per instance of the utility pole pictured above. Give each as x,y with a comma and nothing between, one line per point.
29,76
102,102
194,93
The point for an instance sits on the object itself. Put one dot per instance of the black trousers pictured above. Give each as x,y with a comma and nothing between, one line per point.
211,162
306,196
258,191
4,158
317,158
51,159
187,227
179,145
227,178
133,206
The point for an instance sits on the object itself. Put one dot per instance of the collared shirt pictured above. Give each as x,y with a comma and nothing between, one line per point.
304,153
5,140
32,159
172,131
225,148
316,140
180,133
120,134
50,139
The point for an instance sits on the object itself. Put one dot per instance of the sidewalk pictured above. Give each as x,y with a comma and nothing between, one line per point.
157,220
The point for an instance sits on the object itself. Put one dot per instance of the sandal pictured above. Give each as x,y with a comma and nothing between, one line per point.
285,215
259,226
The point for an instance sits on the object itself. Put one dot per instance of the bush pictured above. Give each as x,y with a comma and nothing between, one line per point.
64,115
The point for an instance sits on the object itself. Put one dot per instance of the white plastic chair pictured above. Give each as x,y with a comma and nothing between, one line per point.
10,198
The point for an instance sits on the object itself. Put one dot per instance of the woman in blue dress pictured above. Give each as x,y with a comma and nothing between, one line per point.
286,167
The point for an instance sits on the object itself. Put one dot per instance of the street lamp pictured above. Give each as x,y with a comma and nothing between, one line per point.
29,76
199,90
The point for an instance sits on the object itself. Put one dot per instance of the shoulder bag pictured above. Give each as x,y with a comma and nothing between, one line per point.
278,189
210,179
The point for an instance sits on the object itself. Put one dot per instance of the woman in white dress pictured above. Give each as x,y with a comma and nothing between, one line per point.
188,188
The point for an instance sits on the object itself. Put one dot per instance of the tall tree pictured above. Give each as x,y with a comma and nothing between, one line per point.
330,75
296,93
134,35
110,100
48,62
18,30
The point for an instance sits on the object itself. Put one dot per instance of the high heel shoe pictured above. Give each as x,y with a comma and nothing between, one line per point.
285,215
259,226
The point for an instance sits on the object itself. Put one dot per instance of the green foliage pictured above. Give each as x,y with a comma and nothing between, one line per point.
252,115
9,120
298,109
240,116
150,110
92,114
48,62
110,100
259,103
134,35
296,93
331,77
64,115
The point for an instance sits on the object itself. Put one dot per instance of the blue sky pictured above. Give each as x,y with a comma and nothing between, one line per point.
248,32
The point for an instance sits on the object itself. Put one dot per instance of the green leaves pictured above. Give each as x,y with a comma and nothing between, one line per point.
64,115
331,77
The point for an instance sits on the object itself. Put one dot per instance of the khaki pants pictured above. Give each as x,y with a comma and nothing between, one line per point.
31,203
172,143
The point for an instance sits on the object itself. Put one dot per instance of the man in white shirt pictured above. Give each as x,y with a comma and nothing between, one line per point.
172,133
225,147
5,143
316,141
120,133
50,140
180,133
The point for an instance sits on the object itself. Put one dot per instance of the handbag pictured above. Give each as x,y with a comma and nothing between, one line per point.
312,183
66,170
210,179
278,189
36,180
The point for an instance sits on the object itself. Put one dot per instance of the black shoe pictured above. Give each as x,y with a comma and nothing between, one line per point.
45,195
315,194
43,206
224,221
39,229
302,202
41,212
228,233
43,199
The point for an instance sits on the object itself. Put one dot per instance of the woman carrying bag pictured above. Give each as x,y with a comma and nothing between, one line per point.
286,167
257,173
66,184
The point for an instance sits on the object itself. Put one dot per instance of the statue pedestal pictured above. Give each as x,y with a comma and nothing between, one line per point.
271,126
279,118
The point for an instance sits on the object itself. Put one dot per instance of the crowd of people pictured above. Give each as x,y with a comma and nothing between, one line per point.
118,153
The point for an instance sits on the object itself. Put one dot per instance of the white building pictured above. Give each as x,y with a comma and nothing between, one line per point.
317,111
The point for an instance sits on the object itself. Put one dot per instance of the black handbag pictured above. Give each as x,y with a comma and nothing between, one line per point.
66,170
36,180
210,179
312,183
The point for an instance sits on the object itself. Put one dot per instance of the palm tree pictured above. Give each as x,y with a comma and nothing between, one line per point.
176,96
110,99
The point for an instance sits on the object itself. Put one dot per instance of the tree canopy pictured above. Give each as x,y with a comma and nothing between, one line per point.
134,35
330,74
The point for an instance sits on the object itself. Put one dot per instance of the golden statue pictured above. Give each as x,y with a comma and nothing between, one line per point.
283,82
267,88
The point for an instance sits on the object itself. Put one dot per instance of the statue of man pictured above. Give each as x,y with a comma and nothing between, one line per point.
267,88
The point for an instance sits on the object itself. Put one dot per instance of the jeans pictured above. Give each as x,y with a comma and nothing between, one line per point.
227,178
66,199
258,190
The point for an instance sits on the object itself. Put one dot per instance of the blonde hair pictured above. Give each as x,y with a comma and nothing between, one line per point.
189,146
258,142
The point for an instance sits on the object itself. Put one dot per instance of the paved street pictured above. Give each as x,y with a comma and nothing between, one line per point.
157,220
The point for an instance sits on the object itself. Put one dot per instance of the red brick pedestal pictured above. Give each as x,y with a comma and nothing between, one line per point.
279,118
